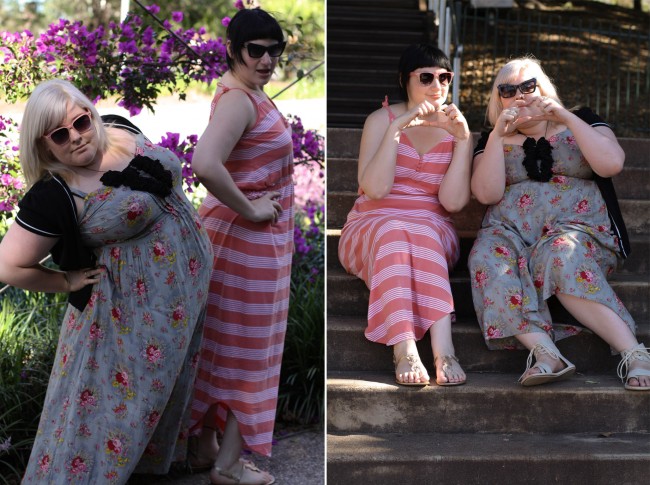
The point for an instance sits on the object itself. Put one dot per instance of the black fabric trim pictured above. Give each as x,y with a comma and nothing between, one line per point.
50,202
143,174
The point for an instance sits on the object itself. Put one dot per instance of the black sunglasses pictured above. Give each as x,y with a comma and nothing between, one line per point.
509,90
61,136
256,50
426,78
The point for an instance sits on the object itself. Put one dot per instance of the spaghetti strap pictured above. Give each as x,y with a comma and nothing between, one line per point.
384,104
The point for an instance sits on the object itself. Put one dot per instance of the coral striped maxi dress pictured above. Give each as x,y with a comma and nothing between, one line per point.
402,246
248,303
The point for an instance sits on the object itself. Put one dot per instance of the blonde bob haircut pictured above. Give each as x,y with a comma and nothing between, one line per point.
508,73
46,109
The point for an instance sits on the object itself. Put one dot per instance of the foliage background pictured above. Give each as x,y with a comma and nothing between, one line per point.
30,322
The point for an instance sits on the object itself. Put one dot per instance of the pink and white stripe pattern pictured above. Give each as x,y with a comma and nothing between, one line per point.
243,339
402,246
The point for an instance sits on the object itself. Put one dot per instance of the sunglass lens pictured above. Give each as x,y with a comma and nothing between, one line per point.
276,49
60,136
255,50
82,124
529,86
444,77
507,90
426,78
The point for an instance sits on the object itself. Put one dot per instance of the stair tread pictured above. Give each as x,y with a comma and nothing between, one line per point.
477,382
420,448
488,459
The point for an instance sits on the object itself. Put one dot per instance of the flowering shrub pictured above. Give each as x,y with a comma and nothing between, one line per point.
11,182
184,151
129,59
309,156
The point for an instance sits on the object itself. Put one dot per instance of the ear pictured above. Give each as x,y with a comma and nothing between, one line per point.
229,49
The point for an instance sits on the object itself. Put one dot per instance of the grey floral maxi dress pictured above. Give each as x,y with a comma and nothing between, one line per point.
125,366
541,239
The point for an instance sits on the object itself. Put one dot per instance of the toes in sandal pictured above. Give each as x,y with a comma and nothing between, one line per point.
415,365
448,361
545,373
638,353
233,479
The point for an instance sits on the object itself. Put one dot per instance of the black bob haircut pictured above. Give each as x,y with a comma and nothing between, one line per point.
250,24
416,56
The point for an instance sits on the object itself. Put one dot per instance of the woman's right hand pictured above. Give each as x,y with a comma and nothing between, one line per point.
80,278
415,116
266,208
507,122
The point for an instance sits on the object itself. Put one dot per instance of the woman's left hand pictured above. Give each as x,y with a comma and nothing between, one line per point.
447,117
550,110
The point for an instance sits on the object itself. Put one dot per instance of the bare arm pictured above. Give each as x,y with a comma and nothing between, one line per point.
20,254
233,115
489,171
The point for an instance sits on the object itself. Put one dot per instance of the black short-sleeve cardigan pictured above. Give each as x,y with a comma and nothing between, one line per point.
605,184
48,209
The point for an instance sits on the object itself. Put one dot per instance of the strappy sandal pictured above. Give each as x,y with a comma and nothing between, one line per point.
448,361
639,353
545,372
415,365
232,479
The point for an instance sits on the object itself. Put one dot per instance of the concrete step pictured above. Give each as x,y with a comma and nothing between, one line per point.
364,402
348,295
348,350
488,459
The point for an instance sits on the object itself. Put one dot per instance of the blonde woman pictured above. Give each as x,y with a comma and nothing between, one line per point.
553,227
109,207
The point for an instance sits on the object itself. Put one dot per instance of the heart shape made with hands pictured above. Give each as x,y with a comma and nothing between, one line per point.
437,119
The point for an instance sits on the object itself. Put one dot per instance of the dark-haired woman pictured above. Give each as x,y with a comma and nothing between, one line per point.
553,227
245,160
414,170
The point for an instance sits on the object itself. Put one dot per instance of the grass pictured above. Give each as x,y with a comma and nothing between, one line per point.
29,328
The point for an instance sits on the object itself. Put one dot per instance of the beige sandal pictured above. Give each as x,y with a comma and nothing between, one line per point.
232,479
448,361
545,372
639,353
415,365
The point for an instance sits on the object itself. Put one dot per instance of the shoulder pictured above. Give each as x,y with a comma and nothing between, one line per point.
117,121
382,116
588,116
235,102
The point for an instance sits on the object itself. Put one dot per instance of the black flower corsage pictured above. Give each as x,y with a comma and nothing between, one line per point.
143,174
535,152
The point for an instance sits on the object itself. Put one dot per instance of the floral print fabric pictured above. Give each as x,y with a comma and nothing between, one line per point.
542,239
125,366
